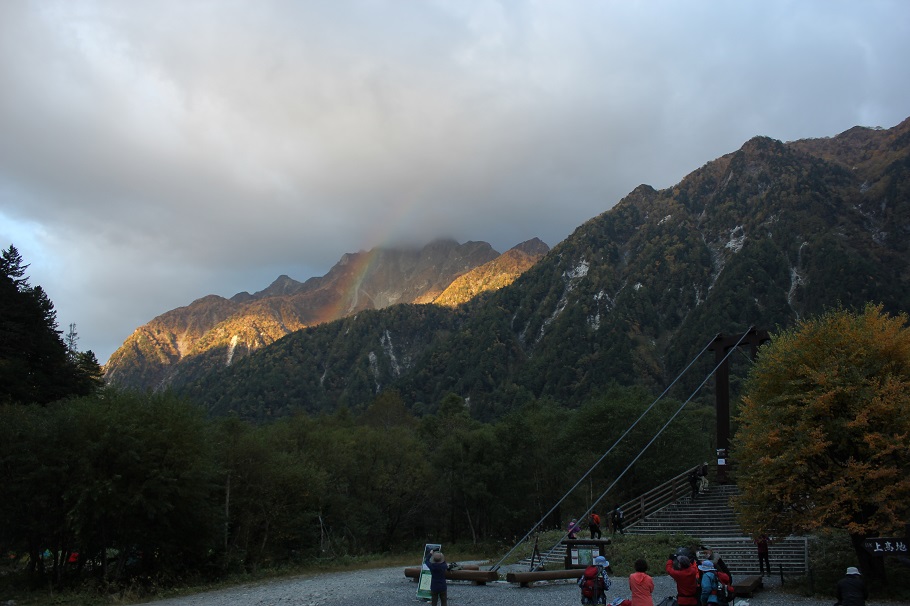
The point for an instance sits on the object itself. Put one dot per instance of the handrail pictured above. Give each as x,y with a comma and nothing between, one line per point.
657,498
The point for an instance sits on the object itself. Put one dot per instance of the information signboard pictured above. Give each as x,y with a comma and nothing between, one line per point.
583,555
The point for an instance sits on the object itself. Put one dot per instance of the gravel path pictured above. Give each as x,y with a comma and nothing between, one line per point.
389,587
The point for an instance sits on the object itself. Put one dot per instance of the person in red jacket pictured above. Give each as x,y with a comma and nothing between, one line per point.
594,526
685,572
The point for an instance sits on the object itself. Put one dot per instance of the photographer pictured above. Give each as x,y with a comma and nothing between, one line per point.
685,573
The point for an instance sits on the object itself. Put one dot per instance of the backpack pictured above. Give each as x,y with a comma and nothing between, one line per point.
727,594
724,593
591,583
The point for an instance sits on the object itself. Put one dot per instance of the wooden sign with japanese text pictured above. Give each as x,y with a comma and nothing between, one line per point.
882,546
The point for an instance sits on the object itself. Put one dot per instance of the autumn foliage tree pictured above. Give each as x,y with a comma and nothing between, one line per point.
824,438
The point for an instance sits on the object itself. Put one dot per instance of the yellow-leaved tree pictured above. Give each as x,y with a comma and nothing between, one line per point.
824,436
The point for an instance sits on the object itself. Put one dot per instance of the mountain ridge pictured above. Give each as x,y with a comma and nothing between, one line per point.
213,330
762,236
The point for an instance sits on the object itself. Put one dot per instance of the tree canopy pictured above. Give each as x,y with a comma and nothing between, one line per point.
35,365
824,438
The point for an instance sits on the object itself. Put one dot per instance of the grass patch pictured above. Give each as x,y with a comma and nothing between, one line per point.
653,549
622,553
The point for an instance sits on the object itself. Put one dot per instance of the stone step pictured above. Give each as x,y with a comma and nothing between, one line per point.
711,518
550,558
741,557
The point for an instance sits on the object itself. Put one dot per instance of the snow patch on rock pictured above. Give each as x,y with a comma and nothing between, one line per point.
737,239
602,300
579,271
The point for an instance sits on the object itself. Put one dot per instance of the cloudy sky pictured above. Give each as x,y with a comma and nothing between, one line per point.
153,152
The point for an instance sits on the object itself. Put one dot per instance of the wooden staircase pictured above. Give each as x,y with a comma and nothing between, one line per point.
669,509
554,559
711,518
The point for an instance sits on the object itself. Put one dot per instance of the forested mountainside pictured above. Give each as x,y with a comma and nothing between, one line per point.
214,331
763,236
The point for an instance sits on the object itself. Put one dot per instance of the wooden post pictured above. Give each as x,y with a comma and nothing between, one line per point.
721,346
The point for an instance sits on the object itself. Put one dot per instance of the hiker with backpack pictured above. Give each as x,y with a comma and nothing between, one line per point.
594,582
618,519
715,589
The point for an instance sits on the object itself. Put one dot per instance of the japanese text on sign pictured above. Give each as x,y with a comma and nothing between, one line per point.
883,546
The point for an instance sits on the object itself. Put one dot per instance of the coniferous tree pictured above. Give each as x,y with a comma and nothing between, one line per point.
72,338
35,365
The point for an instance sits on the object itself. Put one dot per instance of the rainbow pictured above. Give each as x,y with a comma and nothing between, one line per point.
348,290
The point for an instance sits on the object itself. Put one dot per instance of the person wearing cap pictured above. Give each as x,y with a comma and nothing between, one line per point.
685,573
602,565
707,553
436,562
574,529
851,590
711,577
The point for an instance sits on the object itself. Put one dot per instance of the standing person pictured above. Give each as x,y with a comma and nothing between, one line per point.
618,520
685,573
761,544
642,585
436,562
851,590
694,483
594,525
573,529
703,479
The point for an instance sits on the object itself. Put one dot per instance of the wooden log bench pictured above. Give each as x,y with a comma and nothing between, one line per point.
746,586
469,572
524,579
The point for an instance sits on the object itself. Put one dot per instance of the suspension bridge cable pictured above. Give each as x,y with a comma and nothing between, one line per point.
648,445
600,460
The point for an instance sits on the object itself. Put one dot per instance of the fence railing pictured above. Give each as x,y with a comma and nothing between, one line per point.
657,498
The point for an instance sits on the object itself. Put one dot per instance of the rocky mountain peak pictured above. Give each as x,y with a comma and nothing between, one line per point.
534,246
283,285
225,330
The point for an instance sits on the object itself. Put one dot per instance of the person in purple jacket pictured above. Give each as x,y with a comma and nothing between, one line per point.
436,562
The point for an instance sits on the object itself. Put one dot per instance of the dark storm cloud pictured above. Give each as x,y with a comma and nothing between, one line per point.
155,152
